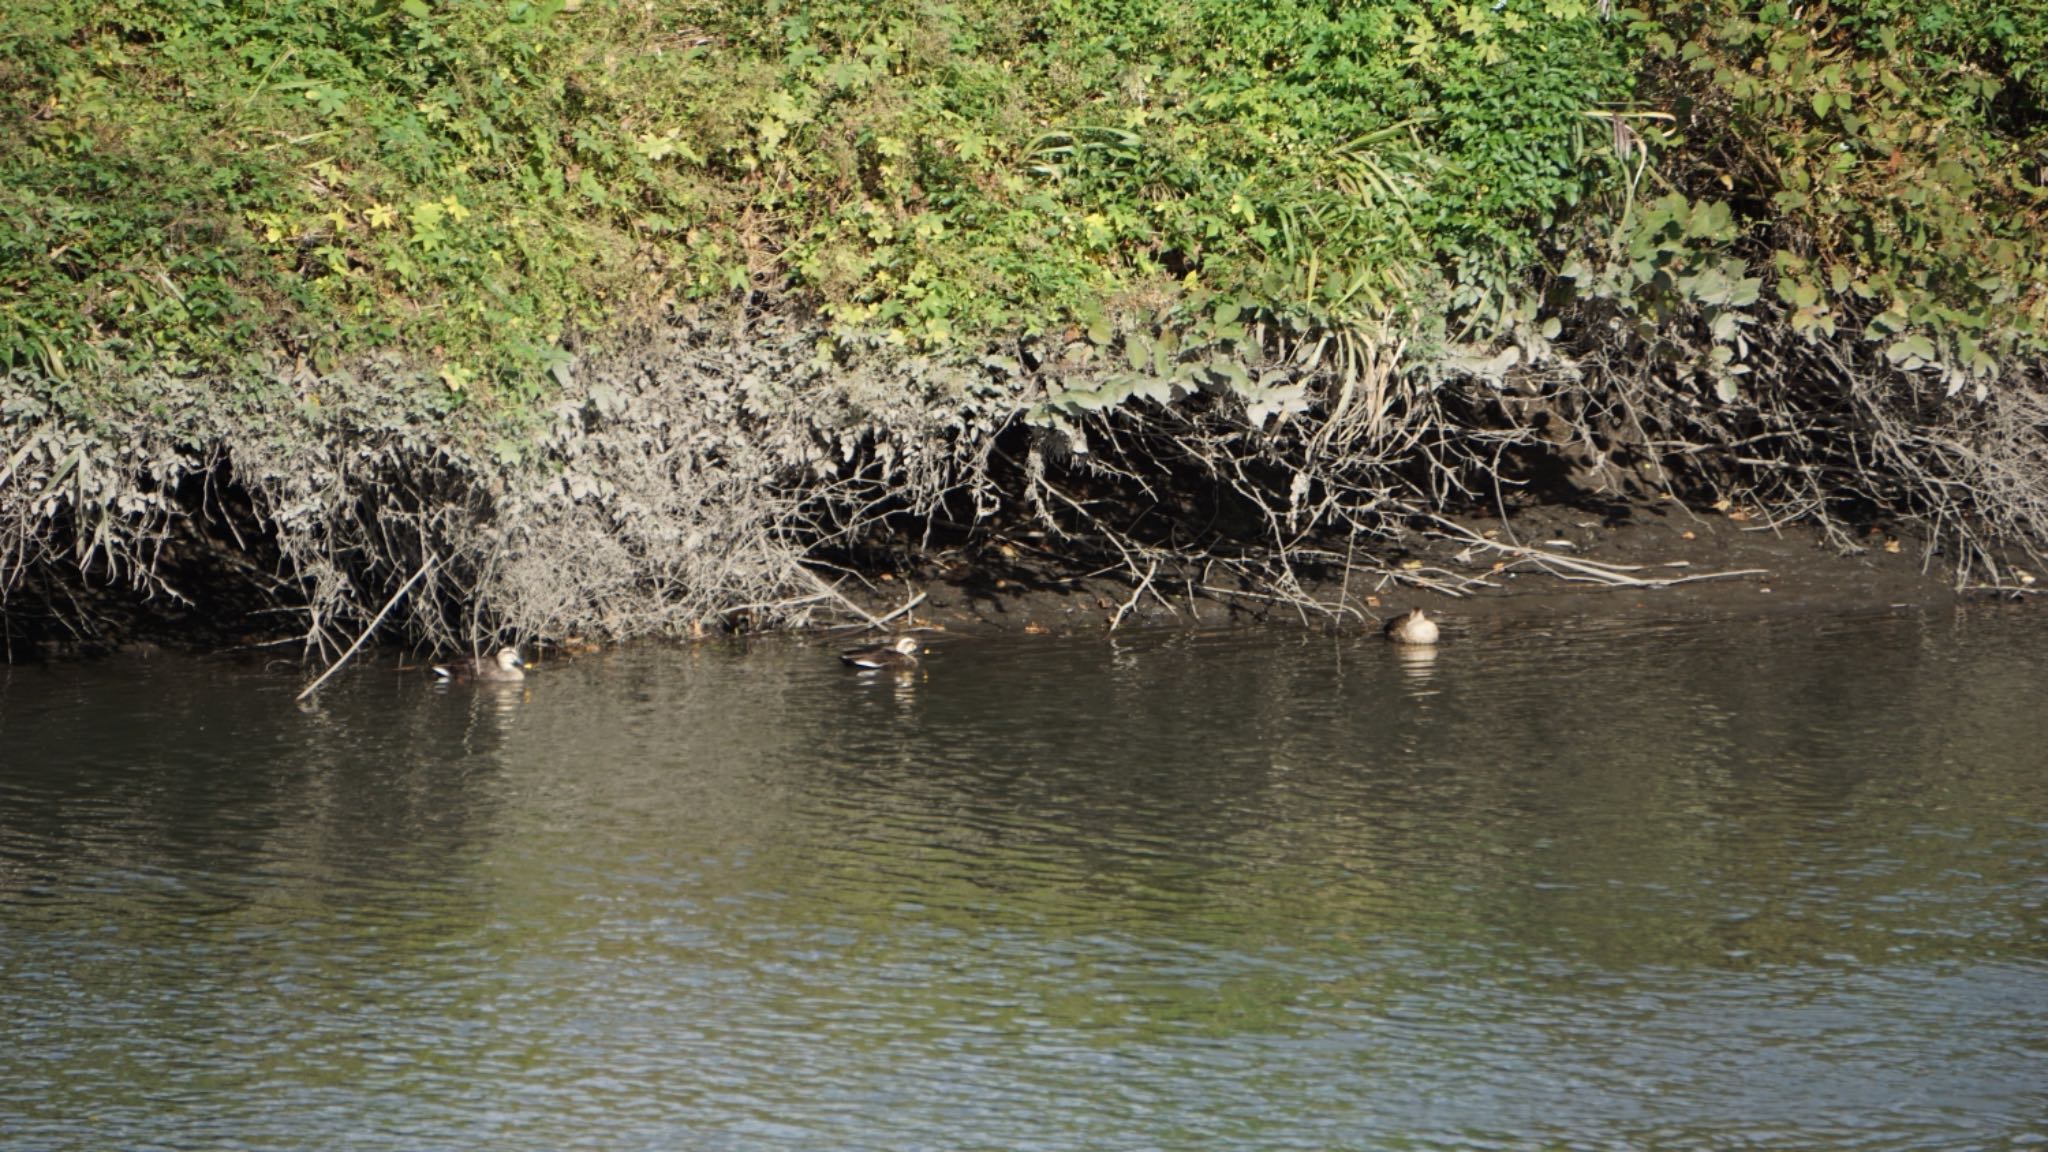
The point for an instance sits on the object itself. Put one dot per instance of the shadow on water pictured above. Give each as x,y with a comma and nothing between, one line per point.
1697,884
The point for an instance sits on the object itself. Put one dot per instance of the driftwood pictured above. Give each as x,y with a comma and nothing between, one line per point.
365,635
1590,571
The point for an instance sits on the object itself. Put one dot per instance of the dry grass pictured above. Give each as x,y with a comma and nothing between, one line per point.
702,477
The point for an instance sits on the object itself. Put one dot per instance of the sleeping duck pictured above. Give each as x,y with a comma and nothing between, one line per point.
1412,627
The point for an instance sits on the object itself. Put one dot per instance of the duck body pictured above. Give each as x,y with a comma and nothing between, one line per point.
901,654
1412,627
504,668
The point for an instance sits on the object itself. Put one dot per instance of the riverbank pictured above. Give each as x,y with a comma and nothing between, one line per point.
714,475
1658,559
600,321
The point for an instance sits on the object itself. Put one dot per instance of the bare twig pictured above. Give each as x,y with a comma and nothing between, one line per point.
1591,571
913,602
379,619
1137,594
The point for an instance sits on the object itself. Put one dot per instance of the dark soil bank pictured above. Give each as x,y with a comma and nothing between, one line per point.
718,478
1650,560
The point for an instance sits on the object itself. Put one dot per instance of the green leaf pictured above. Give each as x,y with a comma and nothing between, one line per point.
1907,349
417,9
1138,351
1711,221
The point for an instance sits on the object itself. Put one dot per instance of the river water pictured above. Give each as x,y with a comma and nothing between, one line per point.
1753,883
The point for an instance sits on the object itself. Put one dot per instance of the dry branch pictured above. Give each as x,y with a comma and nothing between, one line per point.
425,566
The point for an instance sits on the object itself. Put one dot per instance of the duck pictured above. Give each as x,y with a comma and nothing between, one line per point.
901,654
506,667
1412,627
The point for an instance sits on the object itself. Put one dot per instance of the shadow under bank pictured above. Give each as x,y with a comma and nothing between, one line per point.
1642,560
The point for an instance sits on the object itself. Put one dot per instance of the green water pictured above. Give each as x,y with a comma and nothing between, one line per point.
1731,884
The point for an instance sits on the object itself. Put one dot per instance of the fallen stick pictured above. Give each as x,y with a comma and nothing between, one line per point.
1666,583
869,621
831,593
1415,577
1615,575
913,602
1137,594
386,611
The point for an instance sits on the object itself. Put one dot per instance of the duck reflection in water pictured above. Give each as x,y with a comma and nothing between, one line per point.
1418,662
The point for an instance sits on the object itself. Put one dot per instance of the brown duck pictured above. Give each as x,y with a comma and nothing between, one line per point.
901,654
1412,627
504,668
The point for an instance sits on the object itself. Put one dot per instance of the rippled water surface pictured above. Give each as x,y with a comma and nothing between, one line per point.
1754,884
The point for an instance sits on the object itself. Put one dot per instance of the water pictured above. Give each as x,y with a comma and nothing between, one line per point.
1714,884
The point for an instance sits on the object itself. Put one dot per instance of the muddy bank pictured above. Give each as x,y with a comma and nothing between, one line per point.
718,475
1652,560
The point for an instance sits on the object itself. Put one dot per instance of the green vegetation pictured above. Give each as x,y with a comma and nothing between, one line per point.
1891,161
1699,223
201,181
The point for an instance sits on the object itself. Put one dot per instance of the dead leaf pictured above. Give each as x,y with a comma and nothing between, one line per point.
1892,546
1410,565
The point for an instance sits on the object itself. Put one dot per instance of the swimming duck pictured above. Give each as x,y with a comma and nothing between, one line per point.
507,666
1412,627
901,654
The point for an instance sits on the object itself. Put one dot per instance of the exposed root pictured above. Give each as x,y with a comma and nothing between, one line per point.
703,479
